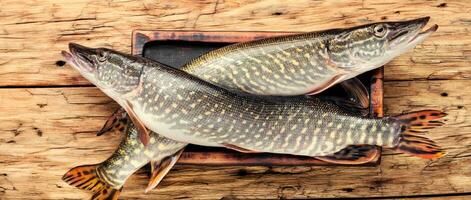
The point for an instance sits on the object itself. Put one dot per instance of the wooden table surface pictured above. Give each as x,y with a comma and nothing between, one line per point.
49,114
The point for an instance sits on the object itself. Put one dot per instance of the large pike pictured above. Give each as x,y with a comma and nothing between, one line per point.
185,108
308,63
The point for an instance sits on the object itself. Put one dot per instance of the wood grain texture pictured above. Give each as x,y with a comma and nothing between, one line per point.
32,33
47,131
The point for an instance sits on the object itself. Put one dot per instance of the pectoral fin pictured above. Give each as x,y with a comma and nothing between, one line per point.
237,148
356,91
347,105
116,121
143,133
334,80
160,168
358,97
353,155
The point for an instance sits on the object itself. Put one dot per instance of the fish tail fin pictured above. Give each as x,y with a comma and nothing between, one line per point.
86,178
411,139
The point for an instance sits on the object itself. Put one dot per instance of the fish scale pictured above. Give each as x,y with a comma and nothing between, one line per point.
287,63
131,155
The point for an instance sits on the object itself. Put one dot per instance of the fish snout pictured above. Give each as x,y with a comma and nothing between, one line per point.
84,56
406,32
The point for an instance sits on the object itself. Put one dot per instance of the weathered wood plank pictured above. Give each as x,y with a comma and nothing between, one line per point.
32,33
432,197
45,131
453,197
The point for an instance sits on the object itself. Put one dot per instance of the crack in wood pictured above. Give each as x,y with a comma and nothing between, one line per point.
205,14
54,21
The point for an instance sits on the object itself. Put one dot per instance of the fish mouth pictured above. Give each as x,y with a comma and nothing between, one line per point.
80,57
409,32
425,33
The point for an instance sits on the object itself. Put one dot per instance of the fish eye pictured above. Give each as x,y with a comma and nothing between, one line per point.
379,30
101,56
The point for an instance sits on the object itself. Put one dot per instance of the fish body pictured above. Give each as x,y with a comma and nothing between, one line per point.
107,178
131,155
307,63
185,108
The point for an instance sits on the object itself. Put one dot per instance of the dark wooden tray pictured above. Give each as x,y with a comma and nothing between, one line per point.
175,48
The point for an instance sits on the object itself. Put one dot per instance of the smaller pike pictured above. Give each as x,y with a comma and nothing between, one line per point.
307,63
106,179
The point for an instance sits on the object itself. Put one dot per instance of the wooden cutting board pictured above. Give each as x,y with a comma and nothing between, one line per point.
175,48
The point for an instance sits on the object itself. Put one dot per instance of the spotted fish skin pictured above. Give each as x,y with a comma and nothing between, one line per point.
131,155
187,109
309,62
267,67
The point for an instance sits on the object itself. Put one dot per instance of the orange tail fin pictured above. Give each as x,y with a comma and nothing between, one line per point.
415,124
85,177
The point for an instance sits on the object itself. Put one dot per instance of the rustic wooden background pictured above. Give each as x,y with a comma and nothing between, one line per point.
49,114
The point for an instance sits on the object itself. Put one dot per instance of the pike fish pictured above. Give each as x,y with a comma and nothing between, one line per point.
307,63
106,179
185,108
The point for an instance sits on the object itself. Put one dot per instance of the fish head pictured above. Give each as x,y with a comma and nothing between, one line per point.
113,72
370,46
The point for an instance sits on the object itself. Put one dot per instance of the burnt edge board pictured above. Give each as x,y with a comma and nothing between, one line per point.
221,158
